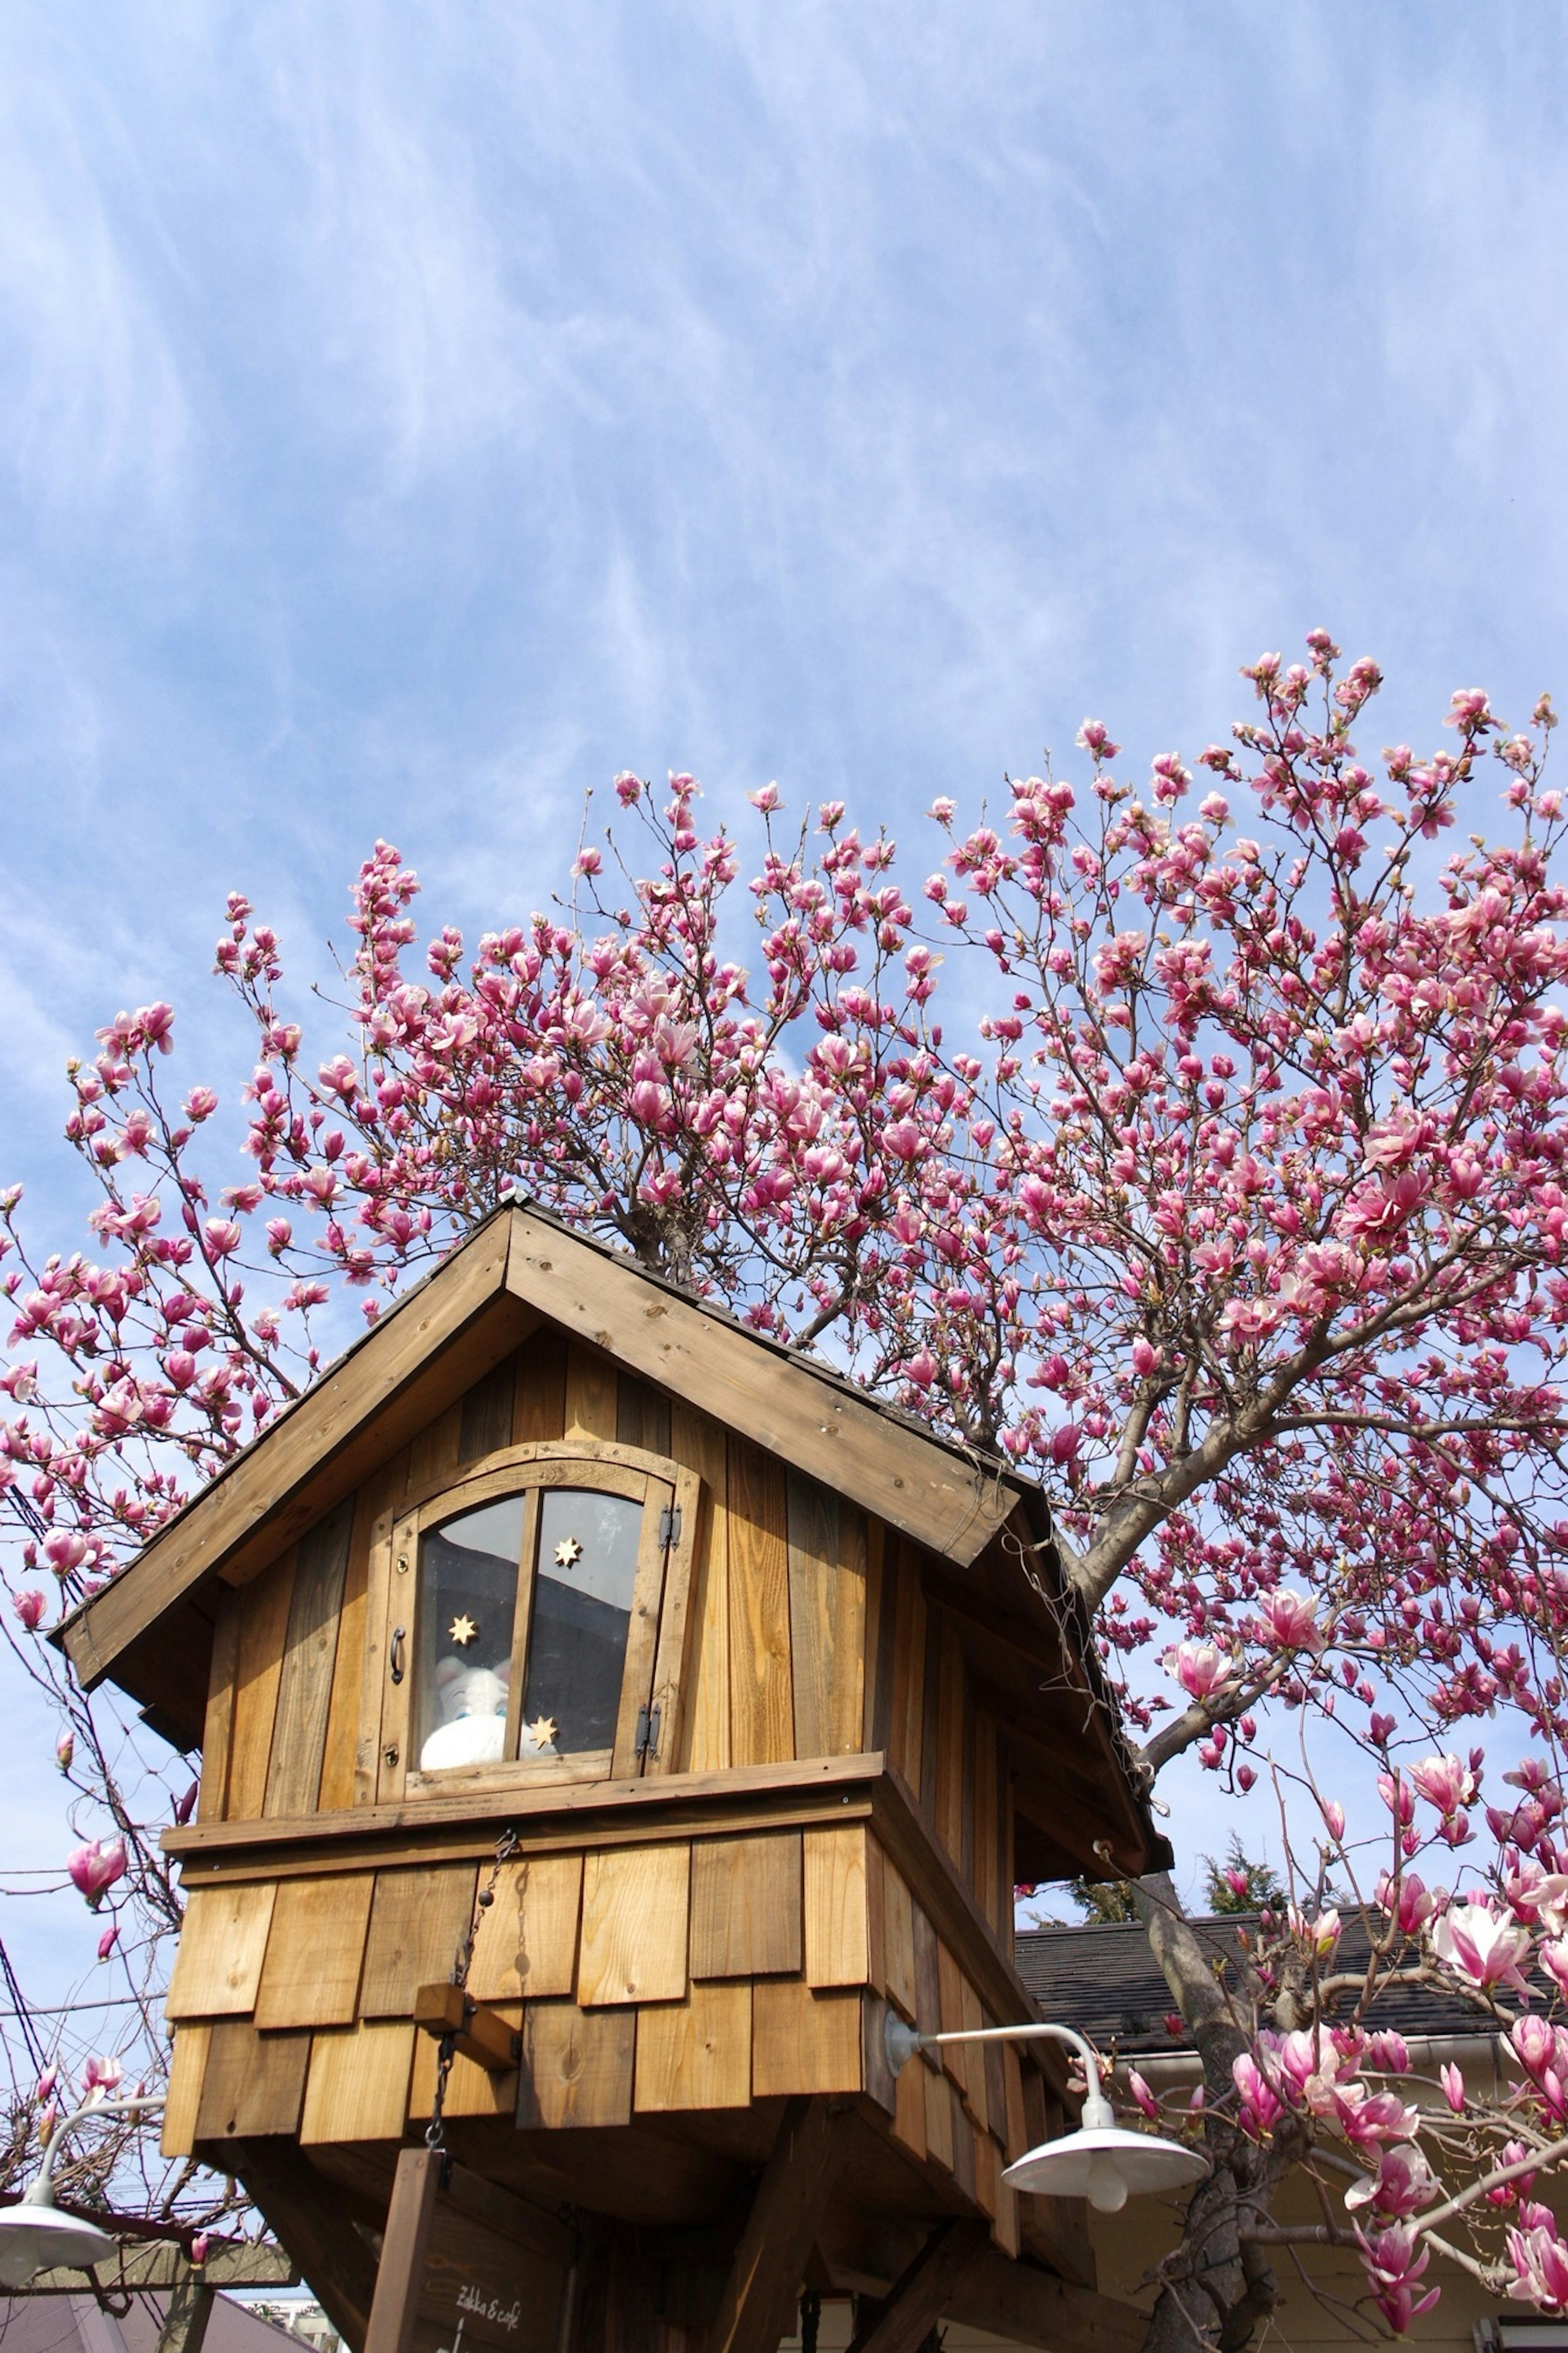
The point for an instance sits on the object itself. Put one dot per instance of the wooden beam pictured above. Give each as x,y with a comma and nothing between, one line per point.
770,2263
425,1351
301,2211
405,2245
695,1802
919,2296
808,1417
478,2032
152,2264
1029,2306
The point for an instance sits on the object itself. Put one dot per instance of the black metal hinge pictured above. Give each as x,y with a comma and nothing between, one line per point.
670,1526
648,1734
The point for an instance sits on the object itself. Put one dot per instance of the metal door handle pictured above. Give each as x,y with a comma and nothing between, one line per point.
399,1635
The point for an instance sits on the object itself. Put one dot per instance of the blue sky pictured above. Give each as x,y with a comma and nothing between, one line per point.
409,416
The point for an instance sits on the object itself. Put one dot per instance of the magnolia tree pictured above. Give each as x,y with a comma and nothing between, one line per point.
1228,1200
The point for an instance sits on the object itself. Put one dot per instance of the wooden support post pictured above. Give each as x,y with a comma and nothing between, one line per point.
307,2220
479,2032
186,2321
918,2298
759,2298
404,2247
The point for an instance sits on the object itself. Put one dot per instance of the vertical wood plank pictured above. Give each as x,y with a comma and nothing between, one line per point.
949,1775
909,1662
635,1906
955,2058
379,1622
986,1860
996,2081
696,2054
217,1732
187,2066
827,1617
1013,2099
642,1636
909,2110
938,2114
223,1941
642,1415
337,1790
881,1632
899,1945
315,1951
746,1907
928,1974
264,1621
418,1918
968,1841
310,1653
801,2040
404,2244
962,2140
538,1412
526,1942
591,1399
976,2089
357,2086
577,2065
838,1937
485,1425
697,1441
762,1704
931,1763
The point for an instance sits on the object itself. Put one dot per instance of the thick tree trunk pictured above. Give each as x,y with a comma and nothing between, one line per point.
1218,2289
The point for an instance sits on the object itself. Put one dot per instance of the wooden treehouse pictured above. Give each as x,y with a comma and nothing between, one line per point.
766,1698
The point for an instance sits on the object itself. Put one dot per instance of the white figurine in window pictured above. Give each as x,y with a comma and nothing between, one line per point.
472,1730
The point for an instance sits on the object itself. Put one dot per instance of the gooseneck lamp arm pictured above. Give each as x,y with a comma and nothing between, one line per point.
902,2042
35,2235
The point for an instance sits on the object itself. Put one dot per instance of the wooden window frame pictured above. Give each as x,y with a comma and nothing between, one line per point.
654,1675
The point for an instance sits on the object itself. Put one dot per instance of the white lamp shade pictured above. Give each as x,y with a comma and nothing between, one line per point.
1107,2165
35,2237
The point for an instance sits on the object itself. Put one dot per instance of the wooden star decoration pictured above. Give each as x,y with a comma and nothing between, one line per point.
542,1731
568,1553
461,1630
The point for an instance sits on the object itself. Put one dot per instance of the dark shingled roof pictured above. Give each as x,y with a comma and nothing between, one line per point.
1102,1977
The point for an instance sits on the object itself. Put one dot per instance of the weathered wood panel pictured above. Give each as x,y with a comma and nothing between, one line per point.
187,2068
417,1920
761,1701
909,1662
381,1505
634,1906
986,1816
699,1442
315,1951
223,1940
951,1749
909,2110
827,1617
538,1410
696,2054
253,2084
485,1424
217,1732
309,1651
837,1924
746,1907
591,1392
527,1942
801,2040
263,1624
577,2065
938,2114
357,2087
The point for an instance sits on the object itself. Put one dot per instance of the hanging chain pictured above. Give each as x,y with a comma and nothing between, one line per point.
435,2130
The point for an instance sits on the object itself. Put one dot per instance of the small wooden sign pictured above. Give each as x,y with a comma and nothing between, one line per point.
453,2281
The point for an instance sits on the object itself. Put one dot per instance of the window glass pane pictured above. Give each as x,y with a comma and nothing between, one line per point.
467,1601
582,1615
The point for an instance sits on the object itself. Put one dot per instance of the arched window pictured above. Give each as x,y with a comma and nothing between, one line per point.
535,1619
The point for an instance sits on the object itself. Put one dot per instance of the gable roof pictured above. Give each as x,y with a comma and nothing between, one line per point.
519,1267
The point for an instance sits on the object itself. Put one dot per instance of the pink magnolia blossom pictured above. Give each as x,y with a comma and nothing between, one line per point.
1395,2260
95,1866
1198,1668
1443,1782
1402,2184
102,2074
1540,2259
30,1608
1474,1942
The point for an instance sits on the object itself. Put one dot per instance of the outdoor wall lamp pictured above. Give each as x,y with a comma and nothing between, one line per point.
35,2235
1101,2161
